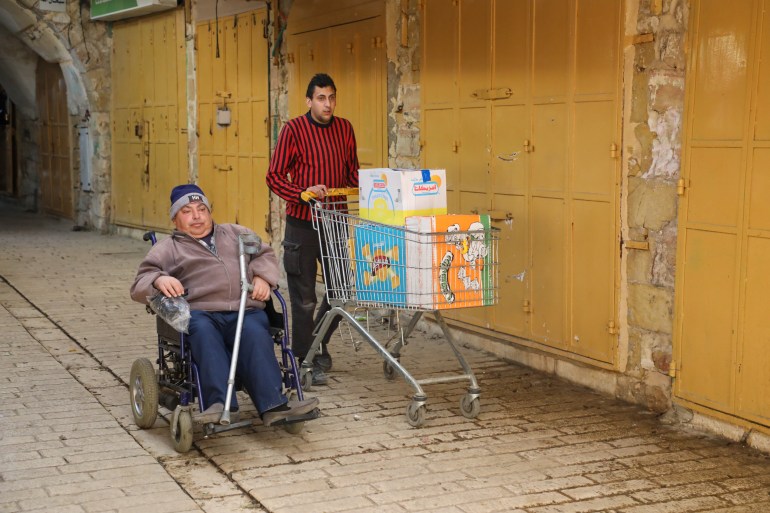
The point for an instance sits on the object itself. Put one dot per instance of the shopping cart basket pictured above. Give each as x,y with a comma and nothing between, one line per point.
414,268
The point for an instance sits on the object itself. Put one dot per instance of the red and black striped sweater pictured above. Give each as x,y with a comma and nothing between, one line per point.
309,153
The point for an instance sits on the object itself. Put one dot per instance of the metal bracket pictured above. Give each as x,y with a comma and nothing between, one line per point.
637,244
500,93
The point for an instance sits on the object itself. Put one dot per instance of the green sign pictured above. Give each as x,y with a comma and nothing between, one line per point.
119,9
104,7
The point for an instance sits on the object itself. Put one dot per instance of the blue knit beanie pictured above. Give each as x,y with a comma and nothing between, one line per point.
181,195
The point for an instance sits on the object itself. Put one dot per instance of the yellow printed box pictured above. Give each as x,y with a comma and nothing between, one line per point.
449,261
389,196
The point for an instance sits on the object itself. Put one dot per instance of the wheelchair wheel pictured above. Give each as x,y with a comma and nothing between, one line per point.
143,390
183,438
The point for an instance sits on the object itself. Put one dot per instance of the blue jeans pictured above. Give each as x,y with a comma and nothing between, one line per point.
211,339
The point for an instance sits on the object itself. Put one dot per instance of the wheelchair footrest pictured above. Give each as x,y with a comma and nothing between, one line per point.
212,428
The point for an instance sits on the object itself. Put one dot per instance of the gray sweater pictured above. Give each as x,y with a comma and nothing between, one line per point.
213,282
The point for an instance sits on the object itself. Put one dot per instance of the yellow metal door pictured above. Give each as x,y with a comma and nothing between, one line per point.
754,351
149,139
232,64
308,54
55,170
474,121
439,93
525,110
357,52
353,54
594,179
509,162
723,261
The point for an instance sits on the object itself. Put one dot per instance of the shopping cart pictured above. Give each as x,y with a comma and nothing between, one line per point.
418,268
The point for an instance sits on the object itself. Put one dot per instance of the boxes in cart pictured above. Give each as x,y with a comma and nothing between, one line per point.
389,195
380,264
449,261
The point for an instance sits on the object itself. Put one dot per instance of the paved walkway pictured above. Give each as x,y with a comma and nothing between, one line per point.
67,442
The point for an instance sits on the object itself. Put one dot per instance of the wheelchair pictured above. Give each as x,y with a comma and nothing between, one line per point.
176,385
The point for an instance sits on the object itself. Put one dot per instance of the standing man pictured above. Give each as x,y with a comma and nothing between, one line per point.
314,152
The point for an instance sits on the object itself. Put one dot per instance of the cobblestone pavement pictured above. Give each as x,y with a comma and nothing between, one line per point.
67,441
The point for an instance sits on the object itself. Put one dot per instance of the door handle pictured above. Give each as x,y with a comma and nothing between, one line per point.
495,215
514,155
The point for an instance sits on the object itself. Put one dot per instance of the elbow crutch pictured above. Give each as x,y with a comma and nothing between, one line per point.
248,244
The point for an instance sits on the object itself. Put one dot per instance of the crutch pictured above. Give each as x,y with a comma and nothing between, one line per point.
248,244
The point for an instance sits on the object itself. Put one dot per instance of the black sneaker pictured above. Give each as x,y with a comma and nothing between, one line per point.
324,361
319,376
295,408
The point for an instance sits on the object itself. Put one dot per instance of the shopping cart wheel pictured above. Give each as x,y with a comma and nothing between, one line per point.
183,438
306,379
388,370
470,406
415,413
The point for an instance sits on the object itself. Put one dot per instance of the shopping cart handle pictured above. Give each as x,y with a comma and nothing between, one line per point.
336,191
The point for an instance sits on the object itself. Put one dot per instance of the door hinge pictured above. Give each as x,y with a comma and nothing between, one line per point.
638,39
611,328
290,57
526,306
637,244
613,151
681,186
672,369
455,146
528,148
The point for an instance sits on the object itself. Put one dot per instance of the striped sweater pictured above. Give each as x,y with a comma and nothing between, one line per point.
309,153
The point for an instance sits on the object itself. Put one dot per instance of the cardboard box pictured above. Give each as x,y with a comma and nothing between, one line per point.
389,196
380,269
449,262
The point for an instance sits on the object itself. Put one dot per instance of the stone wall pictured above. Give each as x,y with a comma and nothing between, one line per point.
403,83
90,45
82,48
653,121
279,112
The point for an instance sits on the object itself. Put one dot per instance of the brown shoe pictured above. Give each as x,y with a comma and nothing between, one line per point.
213,413
296,408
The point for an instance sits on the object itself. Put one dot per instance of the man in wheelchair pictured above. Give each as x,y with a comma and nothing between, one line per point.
201,259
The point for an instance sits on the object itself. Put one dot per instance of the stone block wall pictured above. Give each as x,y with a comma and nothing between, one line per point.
82,48
652,140
404,108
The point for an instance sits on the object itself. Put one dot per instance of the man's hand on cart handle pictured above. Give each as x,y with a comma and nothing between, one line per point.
315,192
169,286
310,194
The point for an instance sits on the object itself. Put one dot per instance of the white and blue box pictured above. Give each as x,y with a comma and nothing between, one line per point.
380,264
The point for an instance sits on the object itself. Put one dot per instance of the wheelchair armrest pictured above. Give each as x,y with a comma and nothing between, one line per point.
274,317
